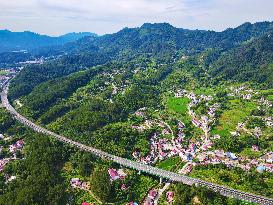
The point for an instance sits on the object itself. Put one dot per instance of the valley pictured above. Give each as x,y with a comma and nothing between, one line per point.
175,115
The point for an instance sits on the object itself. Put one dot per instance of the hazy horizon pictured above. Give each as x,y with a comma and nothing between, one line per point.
57,17
126,27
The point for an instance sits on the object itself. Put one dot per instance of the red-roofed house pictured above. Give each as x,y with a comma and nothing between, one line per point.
255,148
149,201
196,122
113,174
162,155
170,196
152,194
75,182
123,187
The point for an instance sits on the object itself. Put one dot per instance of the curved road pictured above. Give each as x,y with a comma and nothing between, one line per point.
225,191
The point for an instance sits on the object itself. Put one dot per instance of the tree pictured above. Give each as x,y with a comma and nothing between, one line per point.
85,164
100,183
39,180
255,122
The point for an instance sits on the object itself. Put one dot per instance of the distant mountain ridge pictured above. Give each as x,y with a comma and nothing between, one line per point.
161,38
13,41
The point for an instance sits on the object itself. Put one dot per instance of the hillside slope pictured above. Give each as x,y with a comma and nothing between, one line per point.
13,41
161,42
252,61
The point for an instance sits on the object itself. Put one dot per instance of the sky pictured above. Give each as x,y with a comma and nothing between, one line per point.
56,17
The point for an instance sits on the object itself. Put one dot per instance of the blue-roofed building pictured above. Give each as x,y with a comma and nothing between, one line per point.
231,156
261,168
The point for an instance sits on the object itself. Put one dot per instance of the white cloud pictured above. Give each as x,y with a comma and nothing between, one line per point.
107,16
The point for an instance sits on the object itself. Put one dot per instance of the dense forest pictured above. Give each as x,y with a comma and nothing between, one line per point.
252,61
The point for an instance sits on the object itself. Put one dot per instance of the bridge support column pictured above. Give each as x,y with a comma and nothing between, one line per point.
160,180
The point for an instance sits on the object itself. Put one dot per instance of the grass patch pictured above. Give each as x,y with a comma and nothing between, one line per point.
178,105
266,92
270,97
178,108
247,152
237,112
220,132
169,164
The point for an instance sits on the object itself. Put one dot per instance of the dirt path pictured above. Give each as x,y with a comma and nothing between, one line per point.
161,191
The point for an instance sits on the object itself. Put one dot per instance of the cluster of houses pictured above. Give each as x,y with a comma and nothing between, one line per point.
268,121
36,61
18,145
256,132
199,152
7,74
265,102
3,79
160,149
117,174
146,125
153,194
231,160
217,156
268,157
192,96
3,163
77,183
163,148
241,92
204,121
117,87
181,134
170,196
141,113
247,94
151,197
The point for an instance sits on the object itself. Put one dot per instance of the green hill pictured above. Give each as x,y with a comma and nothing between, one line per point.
161,42
253,61
14,41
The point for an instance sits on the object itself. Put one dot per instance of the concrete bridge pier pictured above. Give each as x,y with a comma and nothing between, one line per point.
160,180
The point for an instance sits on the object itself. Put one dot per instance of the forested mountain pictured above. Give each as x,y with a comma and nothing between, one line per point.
162,38
14,41
159,41
252,61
